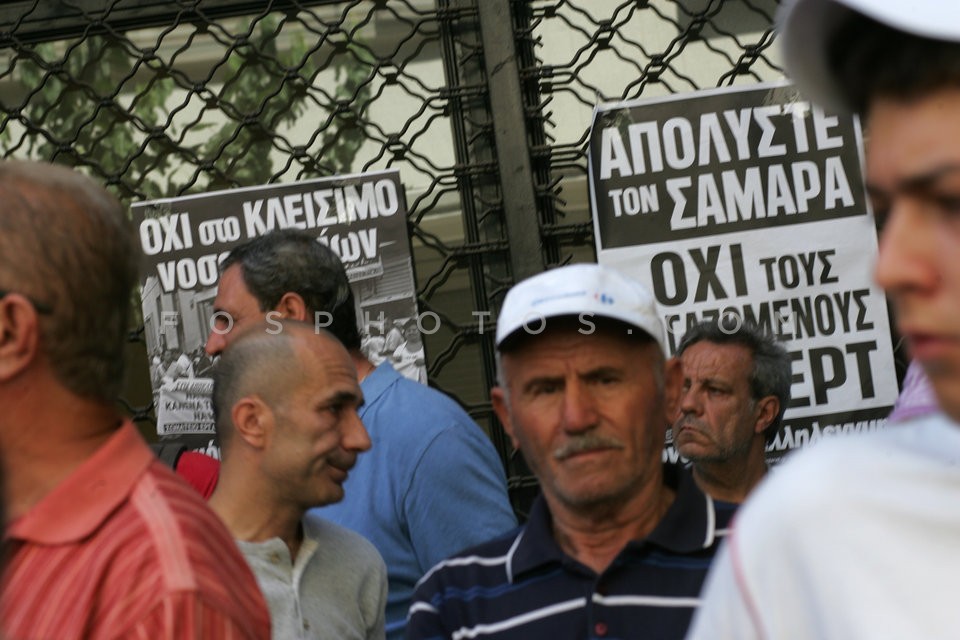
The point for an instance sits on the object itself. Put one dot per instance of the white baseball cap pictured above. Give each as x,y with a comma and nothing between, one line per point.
806,26
590,290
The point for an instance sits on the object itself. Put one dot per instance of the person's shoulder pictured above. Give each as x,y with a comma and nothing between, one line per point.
432,408
182,547
336,539
930,435
166,490
497,547
840,456
838,468
437,399
200,470
492,556
809,469
179,523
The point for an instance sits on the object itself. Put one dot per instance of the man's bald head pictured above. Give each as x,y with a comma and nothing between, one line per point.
263,362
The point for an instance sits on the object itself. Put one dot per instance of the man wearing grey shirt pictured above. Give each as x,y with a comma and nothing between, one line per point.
285,403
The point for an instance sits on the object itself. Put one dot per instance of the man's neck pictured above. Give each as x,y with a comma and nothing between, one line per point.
732,480
595,537
364,366
251,512
48,433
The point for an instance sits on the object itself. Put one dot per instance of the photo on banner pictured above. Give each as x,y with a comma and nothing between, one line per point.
749,203
361,217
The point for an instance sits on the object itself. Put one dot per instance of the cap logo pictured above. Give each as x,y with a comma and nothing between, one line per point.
560,296
603,298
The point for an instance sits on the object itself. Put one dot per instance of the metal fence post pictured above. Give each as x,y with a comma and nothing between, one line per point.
510,134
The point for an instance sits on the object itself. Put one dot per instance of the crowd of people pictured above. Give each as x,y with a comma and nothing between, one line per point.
355,502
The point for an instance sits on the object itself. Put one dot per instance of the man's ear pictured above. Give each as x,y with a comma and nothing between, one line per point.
19,335
767,410
672,386
498,396
252,420
292,306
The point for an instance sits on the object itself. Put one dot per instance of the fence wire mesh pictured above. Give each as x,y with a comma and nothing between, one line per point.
161,99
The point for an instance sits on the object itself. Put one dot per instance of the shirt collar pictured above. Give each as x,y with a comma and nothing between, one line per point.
536,546
687,526
376,383
84,500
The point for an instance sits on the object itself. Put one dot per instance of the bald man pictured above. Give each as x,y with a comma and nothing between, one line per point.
285,401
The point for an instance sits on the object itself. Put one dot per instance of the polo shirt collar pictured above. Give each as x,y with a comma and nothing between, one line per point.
87,497
687,526
535,545
376,384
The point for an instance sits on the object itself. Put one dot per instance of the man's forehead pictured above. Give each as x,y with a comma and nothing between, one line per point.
713,356
323,351
913,141
566,350
918,181
590,332
337,384
326,371
232,290
313,390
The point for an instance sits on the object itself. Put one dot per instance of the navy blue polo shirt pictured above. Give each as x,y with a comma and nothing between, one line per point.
522,586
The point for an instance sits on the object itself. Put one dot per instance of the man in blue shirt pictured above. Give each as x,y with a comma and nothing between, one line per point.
432,482
618,543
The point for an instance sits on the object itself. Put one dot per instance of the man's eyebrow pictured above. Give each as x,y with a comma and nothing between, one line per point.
549,379
601,372
340,398
712,380
346,396
918,183
716,382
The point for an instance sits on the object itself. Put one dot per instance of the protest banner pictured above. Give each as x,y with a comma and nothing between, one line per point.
184,404
361,217
749,202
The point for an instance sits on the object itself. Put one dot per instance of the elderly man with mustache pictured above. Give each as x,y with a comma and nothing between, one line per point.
618,543
736,386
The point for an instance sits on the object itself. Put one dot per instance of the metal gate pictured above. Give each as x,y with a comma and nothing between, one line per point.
483,105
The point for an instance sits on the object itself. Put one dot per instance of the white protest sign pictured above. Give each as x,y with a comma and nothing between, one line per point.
749,203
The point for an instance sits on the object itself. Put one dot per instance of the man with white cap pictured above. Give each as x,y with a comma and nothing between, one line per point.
860,537
618,543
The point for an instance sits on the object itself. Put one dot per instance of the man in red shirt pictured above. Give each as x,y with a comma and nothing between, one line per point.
103,539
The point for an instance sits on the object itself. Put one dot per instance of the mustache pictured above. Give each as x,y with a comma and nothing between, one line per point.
586,442
343,462
688,421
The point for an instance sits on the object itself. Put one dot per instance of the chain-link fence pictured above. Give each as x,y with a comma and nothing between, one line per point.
483,106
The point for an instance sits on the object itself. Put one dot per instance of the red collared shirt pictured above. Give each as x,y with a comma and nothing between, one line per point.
123,548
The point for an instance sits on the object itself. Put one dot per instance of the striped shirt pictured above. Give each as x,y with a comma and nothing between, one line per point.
524,587
123,548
